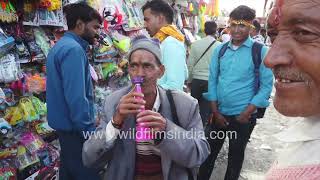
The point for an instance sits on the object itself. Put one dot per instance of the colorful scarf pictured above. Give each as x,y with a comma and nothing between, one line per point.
169,30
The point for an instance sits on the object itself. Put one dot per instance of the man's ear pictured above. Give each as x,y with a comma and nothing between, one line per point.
162,19
80,25
162,70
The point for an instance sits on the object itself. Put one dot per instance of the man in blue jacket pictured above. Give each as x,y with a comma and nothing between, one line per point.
233,92
70,91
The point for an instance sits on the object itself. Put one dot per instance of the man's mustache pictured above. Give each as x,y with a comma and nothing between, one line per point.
292,74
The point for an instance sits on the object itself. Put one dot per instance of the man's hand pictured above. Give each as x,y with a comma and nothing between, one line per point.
152,120
132,103
218,119
243,117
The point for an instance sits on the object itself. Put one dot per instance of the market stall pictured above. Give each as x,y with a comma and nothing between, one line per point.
28,29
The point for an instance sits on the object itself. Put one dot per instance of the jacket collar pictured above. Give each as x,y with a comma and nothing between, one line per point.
84,44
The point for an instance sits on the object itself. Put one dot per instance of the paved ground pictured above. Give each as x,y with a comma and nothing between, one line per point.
262,149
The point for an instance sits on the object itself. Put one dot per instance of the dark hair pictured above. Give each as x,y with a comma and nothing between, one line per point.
210,28
243,13
82,11
257,25
160,7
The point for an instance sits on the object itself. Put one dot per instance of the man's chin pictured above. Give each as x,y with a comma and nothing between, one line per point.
293,107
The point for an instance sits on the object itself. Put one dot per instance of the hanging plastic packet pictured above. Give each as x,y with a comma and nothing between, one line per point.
35,83
6,43
35,51
44,157
30,14
3,104
108,69
43,128
8,153
7,173
25,159
121,42
28,110
9,97
104,51
42,40
49,16
22,51
13,115
39,106
32,142
4,126
9,69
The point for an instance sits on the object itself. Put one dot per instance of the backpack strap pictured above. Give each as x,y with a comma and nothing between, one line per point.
175,119
221,53
257,60
223,50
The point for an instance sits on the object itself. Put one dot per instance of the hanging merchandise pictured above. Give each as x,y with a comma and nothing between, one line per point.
45,13
35,51
22,51
121,42
7,173
185,21
203,9
193,7
7,12
213,8
42,40
51,17
9,69
112,17
133,21
5,127
35,83
50,5
30,13
105,50
6,43
13,115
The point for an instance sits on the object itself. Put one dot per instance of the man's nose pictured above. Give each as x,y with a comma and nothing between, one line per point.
237,28
140,71
279,54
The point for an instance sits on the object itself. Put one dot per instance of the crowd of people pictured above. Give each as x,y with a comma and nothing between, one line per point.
230,80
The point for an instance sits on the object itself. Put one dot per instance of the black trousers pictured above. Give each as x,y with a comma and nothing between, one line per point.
197,88
237,144
71,165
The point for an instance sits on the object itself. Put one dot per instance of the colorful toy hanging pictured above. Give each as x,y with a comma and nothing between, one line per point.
7,12
50,5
